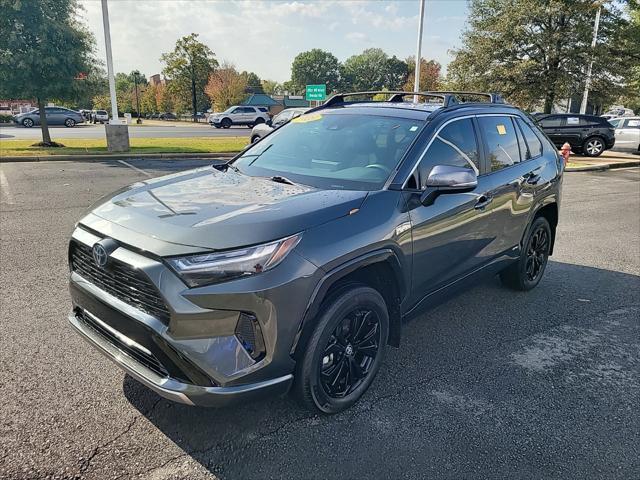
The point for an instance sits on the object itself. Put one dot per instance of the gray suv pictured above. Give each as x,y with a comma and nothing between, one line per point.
293,266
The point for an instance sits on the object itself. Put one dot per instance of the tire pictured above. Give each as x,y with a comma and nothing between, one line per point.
339,349
593,146
27,122
255,138
258,121
69,122
226,123
528,270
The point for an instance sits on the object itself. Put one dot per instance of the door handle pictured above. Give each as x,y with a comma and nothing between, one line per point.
533,179
483,201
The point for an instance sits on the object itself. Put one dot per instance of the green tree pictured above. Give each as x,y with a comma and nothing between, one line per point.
531,50
188,68
271,87
254,84
373,69
43,48
315,67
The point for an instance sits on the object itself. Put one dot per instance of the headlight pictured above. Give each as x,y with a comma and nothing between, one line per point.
204,269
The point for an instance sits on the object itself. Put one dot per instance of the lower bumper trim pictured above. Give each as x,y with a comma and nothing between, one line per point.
175,390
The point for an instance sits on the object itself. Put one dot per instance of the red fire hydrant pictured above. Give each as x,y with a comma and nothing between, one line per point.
565,152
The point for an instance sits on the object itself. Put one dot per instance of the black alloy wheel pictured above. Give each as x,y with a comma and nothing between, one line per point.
527,271
345,350
350,353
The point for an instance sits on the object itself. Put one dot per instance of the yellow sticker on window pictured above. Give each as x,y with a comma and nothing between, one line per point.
502,130
307,118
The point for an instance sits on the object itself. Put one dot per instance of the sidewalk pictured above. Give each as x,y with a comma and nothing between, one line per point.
608,160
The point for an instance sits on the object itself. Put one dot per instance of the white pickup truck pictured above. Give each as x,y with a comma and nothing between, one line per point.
239,115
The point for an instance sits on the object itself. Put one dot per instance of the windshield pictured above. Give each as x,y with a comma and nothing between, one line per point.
333,151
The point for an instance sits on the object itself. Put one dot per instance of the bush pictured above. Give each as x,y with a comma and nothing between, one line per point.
6,118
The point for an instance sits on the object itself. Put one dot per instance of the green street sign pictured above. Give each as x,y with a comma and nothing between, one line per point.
316,92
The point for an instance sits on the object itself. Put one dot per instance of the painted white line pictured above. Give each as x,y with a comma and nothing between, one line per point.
139,170
4,187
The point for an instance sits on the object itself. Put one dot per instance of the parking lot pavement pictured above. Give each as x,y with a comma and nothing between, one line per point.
171,130
491,384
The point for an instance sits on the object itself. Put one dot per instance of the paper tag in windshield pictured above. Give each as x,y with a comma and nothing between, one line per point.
414,128
502,130
307,118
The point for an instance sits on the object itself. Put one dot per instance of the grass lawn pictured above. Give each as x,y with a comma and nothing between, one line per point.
81,146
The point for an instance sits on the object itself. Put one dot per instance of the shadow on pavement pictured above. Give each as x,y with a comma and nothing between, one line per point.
455,398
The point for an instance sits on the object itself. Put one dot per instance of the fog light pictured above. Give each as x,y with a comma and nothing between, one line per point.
249,334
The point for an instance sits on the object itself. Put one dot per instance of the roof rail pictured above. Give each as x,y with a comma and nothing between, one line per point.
448,98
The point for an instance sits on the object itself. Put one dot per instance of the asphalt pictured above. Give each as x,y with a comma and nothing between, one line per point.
171,130
491,384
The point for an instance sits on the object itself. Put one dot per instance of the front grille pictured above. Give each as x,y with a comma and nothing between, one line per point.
145,358
120,280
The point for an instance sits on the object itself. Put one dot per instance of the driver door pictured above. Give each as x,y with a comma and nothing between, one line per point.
451,236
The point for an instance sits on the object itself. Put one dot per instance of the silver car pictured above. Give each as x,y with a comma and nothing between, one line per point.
627,133
55,116
280,119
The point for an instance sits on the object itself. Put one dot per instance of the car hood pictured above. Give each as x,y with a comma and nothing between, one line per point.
219,210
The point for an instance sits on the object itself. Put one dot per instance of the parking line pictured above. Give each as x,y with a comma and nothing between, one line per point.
4,187
139,170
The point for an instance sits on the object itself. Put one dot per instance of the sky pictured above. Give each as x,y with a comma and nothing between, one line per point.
264,36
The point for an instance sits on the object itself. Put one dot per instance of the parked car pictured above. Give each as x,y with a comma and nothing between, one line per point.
238,115
55,116
293,266
587,134
627,131
101,116
167,116
265,128
618,112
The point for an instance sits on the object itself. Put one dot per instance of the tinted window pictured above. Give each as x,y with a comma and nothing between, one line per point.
533,142
632,123
333,150
502,142
454,145
249,110
551,122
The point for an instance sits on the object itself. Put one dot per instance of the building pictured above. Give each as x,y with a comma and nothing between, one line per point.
275,103
17,106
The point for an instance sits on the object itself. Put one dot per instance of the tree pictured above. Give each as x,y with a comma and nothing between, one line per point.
373,69
148,99
271,87
429,74
226,87
254,84
315,67
188,68
43,48
531,50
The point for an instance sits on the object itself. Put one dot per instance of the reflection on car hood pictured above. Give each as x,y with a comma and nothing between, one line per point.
220,210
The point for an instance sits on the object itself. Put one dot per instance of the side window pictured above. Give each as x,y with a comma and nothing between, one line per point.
632,123
249,110
575,121
551,122
502,141
238,110
615,123
533,142
454,145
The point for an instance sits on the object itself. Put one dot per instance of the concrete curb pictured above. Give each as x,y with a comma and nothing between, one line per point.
603,167
115,156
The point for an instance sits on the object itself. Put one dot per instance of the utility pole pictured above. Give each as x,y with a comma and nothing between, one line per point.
416,78
135,81
587,81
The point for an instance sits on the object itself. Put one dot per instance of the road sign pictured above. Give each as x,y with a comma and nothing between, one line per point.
316,92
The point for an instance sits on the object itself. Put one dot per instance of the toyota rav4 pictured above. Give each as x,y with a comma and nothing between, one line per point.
293,266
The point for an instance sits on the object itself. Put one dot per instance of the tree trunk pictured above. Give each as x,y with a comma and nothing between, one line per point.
193,99
44,126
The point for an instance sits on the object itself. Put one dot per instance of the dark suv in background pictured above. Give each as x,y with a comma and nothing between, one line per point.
293,266
587,134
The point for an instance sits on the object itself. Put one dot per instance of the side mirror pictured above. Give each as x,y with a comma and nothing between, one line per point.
269,122
447,179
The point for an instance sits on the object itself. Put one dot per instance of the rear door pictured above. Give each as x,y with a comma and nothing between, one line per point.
575,129
628,134
552,126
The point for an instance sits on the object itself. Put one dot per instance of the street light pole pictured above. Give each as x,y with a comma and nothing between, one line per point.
587,81
135,81
112,81
416,78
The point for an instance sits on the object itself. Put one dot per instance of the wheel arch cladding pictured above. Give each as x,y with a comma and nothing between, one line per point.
380,271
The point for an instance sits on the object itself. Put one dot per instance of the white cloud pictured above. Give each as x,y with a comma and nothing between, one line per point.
357,37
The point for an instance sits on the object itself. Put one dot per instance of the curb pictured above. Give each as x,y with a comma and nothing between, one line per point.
116,156
601,168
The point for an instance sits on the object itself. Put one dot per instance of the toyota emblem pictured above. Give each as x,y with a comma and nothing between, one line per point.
100,255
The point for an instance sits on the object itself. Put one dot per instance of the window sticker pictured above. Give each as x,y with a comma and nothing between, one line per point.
313,117
414,128
633,123
502,130
573,120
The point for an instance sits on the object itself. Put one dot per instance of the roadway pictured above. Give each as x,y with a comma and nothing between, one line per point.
491,384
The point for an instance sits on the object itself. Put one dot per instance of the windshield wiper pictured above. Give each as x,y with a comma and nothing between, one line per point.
280,179
223,167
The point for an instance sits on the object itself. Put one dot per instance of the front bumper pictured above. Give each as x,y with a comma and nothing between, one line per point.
196,355
173,389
